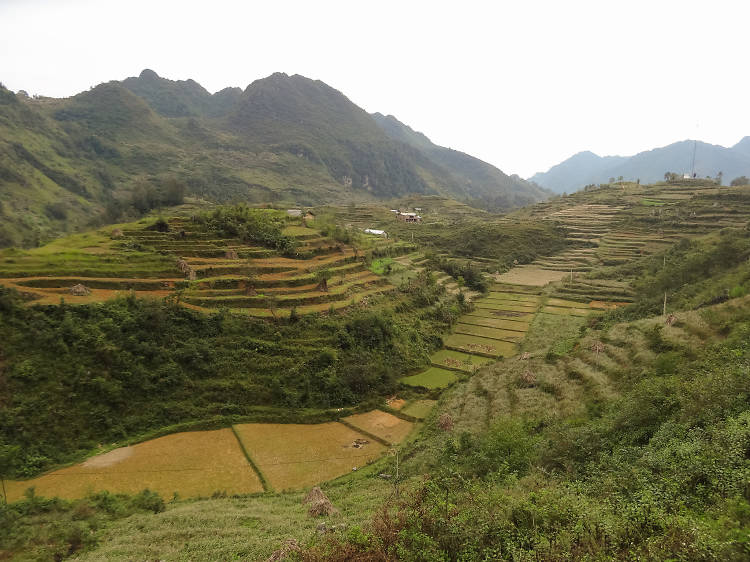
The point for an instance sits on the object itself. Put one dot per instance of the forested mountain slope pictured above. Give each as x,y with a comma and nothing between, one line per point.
123,148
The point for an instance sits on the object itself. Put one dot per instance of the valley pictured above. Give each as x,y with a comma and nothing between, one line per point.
575,333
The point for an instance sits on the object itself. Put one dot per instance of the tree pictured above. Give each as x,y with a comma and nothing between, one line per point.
322,276
742,180
272,302
8,455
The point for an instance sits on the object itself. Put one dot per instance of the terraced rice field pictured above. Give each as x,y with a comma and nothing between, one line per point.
530,276
432,378
192,464
457,361
476,345
292,456
420,409
210,273
383,425
199,463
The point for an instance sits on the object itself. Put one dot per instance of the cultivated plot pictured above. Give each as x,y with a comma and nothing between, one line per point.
456,360
480,346
492,321
492,333
530,276
420,409
196,463
381,424
433,377
293,456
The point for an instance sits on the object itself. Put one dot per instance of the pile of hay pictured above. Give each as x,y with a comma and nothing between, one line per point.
116,233
79,290
183,266
359,443
445,422
319,503
231,255
289,546
527,380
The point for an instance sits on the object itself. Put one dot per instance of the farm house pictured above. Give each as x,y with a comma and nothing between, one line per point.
409,217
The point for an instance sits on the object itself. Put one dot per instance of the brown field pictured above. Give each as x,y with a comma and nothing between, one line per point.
196,463
396,403
531,276
381,424
293,456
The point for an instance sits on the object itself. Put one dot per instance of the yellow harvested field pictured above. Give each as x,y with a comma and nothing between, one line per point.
196,463
530,276
293,456
381,424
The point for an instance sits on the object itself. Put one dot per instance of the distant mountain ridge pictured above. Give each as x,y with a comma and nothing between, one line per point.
474,178
649,166
283,139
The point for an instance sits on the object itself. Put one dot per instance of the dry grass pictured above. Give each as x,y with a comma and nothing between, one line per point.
192,464
381,424
293,456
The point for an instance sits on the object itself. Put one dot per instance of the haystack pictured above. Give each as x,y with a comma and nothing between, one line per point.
79,290
231,255
183,266
527,379
319,503
445,422
116,233
289,546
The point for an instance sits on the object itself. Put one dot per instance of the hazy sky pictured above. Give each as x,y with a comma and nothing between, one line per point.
521,84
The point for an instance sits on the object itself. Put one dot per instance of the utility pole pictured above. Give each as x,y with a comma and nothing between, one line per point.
664,313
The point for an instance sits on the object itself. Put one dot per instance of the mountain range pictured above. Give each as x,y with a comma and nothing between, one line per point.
649,166
126,146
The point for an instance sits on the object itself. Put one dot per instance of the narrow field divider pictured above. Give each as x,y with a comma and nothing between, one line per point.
263,481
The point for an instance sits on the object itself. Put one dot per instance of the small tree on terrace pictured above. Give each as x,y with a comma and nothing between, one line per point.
322,276
742,180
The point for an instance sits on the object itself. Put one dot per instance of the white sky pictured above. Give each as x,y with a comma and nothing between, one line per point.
521,84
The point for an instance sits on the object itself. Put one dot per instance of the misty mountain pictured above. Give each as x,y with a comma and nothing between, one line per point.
116,149
649,166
